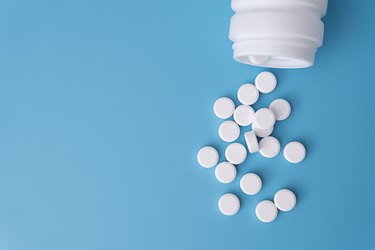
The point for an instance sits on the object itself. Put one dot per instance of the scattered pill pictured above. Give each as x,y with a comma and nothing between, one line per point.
264,118
235,153
251,184
229,204
266,211
243,115
248,94
261,132
208,157
285,200
281,108
229,131
251,142
269,147
224,107
225,172
294,152
262,122
265,82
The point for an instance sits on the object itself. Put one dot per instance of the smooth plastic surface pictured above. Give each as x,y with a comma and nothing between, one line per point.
235,153
229,204
285,200
251,184
277,33
266,211
229,131
225,172
208,157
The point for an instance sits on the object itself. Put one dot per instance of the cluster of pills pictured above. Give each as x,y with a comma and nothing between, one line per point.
262,123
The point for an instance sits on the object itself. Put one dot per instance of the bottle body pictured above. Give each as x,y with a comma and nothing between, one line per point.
277,33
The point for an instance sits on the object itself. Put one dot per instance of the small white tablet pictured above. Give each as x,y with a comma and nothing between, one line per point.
294,152
207,157
224,107
229,131
269,147
235,153
229,204
285,200
225,172
248,94
266,211
243,115
251,184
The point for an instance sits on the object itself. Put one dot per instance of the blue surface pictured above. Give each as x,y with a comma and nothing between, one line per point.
104,105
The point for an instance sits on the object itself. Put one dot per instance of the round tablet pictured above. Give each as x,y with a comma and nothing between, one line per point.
224,107
243,115
208,157
225,172
264,118
251,184
281,108
235,153
285,200
269,147
265,82
229,131
229,204
266,211
261,132
294,152
248,94
251,142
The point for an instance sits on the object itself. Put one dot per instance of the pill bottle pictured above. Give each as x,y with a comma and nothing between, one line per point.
277,33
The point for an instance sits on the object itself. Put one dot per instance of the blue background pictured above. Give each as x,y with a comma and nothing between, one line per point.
104,105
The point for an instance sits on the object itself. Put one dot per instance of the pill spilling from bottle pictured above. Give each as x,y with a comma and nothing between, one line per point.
258,125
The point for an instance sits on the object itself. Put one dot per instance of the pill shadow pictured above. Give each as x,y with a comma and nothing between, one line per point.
299,189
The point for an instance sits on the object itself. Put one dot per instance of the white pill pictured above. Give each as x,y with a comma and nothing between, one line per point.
294,152
264,118
251,184
229,204
235,153
248,94
224,107
285,200
243,115
229,131
225,172
266,211
208,157
261,132
269,147
251,142
281,108
265,82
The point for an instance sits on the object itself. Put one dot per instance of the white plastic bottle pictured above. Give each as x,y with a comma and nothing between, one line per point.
277,33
